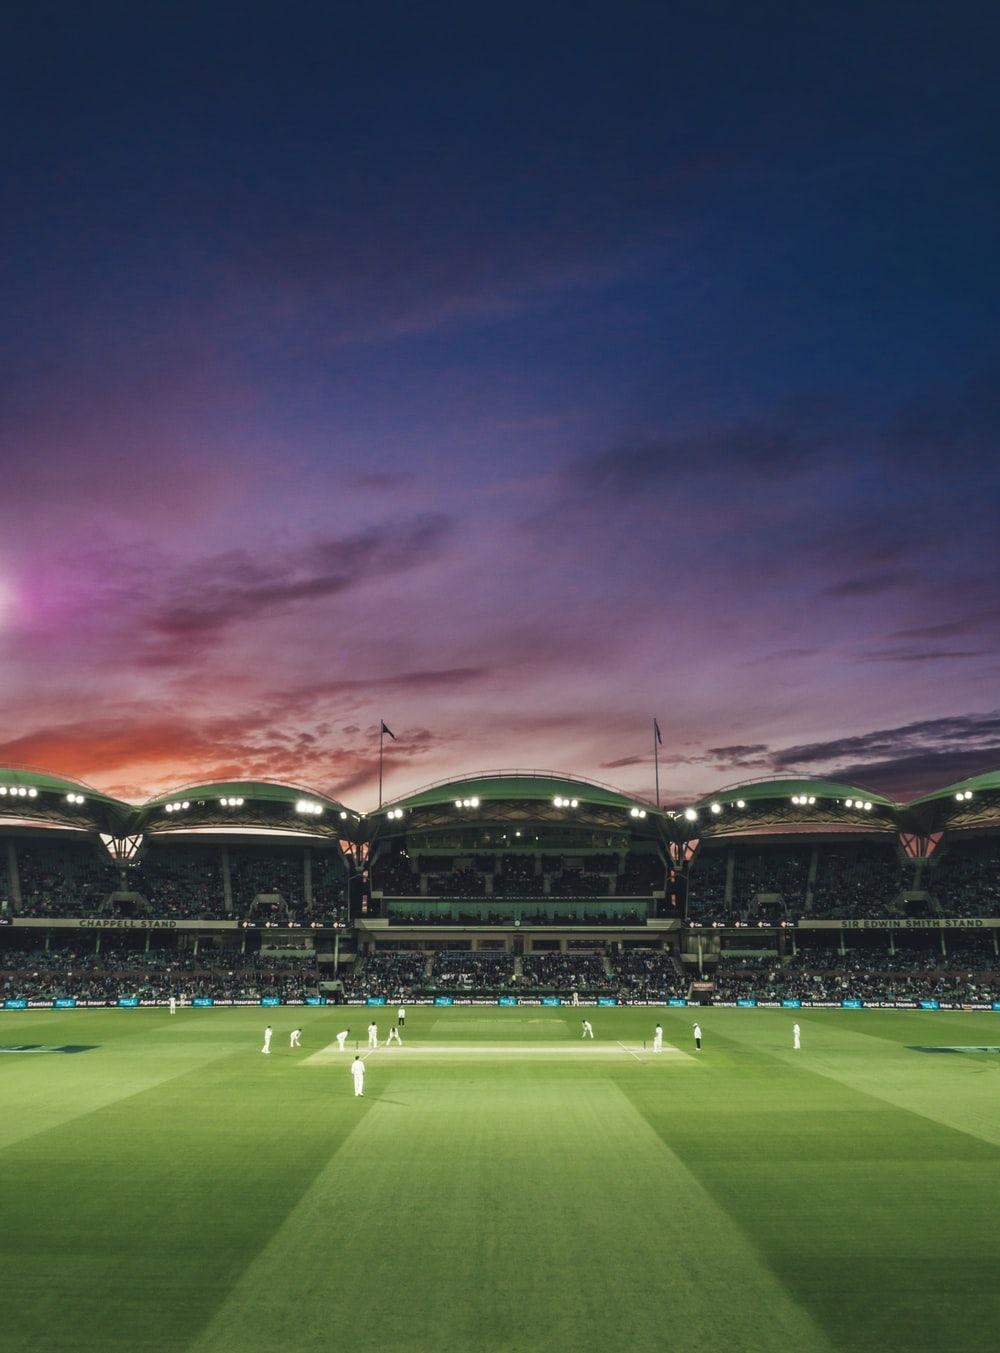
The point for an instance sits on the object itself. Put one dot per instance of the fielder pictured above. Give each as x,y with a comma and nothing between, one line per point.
373,1035
588,1029
294,1038
267,1039
358,1072
658,1038
173,1005
796,1037
697,1037
342,1039
394,1037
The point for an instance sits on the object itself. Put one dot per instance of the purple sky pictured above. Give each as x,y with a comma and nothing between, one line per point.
512,376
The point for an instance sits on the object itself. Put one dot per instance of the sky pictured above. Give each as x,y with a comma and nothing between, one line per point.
513,374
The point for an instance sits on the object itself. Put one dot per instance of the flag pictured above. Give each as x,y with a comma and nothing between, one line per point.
656,730
387,729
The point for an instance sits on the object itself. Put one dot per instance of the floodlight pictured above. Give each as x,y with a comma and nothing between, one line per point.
458,803
473,803
642,812
868,806
812,799
741,803
559,803
848,803
716,807
690,814
32,793
3,789
633,812
343,815
574,803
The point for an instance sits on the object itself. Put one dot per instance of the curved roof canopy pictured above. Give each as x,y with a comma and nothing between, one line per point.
264,791
47,783
982,784
788,787
526,786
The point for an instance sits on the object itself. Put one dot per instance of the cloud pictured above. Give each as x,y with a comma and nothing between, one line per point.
870,584
236,587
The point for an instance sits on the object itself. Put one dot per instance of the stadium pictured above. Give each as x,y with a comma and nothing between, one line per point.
504,1182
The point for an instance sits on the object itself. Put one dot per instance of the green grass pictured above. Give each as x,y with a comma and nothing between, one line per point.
502,1186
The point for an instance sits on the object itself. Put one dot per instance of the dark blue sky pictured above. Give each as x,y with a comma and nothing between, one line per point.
511,375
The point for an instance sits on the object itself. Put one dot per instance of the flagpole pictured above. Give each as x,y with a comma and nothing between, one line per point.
656,762
381,735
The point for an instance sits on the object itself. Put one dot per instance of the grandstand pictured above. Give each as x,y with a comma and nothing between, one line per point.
515,883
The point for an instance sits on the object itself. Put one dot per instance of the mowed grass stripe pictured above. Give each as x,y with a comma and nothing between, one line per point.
880,1220
507,1210
873,1054
125,1228
43,1090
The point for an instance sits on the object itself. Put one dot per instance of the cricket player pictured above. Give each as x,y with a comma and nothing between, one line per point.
294,1038
394,1037
658,1038
588,1029
342,1039
173,1005
373,1035
796,1037
697,1037
358,1072
401,1016
267,1040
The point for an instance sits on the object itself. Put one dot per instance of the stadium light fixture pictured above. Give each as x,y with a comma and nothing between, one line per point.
633,812
343,815
812,800
868,806
32,793
473,803
741,803
458,803
574,803
716,807
690,815
848,803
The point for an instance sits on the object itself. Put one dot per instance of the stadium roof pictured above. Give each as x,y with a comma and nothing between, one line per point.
265,791
525,785
785,788
984,783
47,783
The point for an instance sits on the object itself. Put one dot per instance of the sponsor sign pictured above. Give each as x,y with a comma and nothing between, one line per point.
852,1005
47,1047
506,1000
202,1000
18,1003
677,1000
444,1000
374,1000
930,1005
790,1004
64,1003
128,1001
270,1000
607,1000
746,1001
312,1000
551,1000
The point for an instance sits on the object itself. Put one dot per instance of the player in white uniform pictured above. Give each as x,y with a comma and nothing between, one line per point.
294,1038
588,1029
373,1035
697,1036
173,1005
394,1037
658,1038
267,1039
342,1039
796,1037
358,1072
401,1016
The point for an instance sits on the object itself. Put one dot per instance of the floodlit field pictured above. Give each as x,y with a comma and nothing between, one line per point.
503,1185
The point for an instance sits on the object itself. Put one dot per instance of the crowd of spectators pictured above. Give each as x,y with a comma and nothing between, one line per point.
822,973
859,881
966,880
647,975
63,880
395,976
118,970
566,973
456,970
